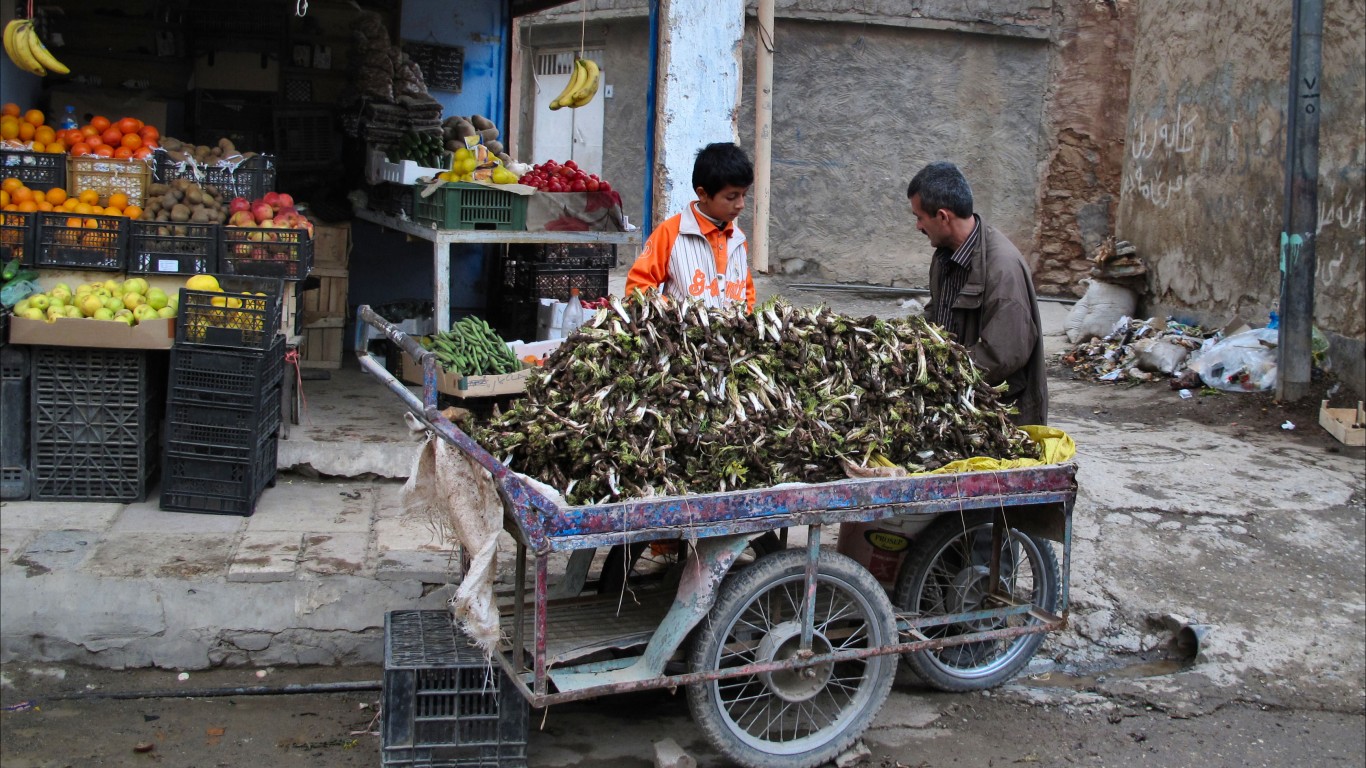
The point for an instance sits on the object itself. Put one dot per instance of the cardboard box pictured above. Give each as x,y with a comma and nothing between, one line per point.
538,349
469,386
324,344
100,334
1345,424
880,545
237,71
331,245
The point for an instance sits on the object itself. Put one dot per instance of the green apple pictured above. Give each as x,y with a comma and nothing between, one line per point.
166,312
55,301
110,285
102,292
128,319
144,312
89,303
103,314
71,310
60,293
114,303
39,301
173,302
20,307
157,298
33,313
135,285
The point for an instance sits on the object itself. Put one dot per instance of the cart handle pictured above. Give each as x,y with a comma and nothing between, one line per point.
516,493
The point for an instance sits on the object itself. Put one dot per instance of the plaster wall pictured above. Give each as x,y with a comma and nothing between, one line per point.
1203,182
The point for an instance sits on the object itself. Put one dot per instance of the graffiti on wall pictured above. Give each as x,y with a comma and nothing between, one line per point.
1339,210
1153,146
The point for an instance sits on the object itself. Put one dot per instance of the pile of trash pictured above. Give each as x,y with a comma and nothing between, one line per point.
1137,350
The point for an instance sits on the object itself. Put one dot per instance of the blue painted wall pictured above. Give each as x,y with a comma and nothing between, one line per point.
481,28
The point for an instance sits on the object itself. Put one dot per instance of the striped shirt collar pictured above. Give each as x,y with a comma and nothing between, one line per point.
963,256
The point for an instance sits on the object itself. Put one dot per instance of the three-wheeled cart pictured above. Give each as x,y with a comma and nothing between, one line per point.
786,654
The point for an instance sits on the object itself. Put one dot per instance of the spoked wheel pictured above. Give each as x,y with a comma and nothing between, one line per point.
947,571
792,718
655,560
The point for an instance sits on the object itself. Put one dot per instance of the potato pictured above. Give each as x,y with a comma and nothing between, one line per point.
193,196
463,129
201,216
180,212
481,123
488,134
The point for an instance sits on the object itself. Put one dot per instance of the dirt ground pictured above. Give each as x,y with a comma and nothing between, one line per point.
1283,687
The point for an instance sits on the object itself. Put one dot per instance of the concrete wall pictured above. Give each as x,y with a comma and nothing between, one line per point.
865,96
1203,182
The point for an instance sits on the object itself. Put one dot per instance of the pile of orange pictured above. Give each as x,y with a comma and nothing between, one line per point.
14,196
28,130
126,137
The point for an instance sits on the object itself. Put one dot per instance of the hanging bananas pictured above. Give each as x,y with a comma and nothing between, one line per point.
583,84
28,52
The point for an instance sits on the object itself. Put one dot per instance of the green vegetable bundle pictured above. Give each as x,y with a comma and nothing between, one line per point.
472,348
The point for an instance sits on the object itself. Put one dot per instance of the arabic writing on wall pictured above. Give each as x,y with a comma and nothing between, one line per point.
1153,145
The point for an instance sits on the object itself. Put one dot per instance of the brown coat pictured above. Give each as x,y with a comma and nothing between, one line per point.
996,316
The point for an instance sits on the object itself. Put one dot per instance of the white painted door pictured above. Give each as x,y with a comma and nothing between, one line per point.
565,134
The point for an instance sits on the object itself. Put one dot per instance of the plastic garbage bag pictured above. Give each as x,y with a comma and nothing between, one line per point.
1159,355
1096,313
1243,362
18,290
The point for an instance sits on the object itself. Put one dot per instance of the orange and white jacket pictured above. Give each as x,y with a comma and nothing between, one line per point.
689,257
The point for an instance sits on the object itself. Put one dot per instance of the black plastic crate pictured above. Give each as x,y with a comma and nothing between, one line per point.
444,703
79,241
548,281
225,376
251,177
95,423
222,431
17,235
165,248
15,373
230,318
38,170
283,253
217,486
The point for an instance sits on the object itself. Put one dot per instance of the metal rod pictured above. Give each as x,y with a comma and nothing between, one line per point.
204,693
1298,263
763,135
813,554
651,107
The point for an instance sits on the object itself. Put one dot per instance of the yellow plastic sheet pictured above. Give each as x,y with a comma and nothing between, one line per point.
1057,446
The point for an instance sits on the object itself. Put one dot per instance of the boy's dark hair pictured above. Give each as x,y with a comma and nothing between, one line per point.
941,185
721,165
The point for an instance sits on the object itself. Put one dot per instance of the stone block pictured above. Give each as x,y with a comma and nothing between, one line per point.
265,556
52,551
67,515
669,755
147,518
426,567
167,556
312,506
327,554
398,533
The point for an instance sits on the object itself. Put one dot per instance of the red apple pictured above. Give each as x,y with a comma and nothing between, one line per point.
262,212
285,200
239,204
271,198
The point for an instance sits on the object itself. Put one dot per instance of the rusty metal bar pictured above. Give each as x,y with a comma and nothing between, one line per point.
813,554
519,611
542,587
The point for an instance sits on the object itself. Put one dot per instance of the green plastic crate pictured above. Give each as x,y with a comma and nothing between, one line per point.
460,205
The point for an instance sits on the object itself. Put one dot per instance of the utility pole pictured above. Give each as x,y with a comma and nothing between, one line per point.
763,134
1298,263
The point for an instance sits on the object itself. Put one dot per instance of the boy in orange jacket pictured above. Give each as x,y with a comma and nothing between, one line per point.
701,253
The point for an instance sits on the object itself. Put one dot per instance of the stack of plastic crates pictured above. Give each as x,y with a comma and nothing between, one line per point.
95,423
445,705
15,374
223,403
531,273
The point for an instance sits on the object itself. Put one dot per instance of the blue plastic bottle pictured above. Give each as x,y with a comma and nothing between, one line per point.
69,121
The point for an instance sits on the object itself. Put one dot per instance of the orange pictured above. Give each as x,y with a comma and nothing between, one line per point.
9,129
56,147
99,123
131,140
91,130
44,205
133,212
123,153
92,224
88,196
80,148
10,109
45,134
38,146
73,221
111,136
28,206
149,133
4,197
129,125
103,150
10,184
34,117
21,195
56,195
142,153
26,131
118,200
71,204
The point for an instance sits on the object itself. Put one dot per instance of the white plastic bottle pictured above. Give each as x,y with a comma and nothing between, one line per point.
573,313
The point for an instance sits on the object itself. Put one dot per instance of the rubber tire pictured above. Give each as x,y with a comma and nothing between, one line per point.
613,571
787,570
931,665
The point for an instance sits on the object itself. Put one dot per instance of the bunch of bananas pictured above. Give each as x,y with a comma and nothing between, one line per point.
583,84
28,52
472,348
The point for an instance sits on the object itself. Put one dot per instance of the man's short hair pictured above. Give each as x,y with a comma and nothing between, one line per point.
941,185
722,165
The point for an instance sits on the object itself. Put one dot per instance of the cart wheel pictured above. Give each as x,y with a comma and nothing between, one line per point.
946,572
657,558
792,718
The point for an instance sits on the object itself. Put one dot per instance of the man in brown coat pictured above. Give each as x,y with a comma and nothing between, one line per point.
981,290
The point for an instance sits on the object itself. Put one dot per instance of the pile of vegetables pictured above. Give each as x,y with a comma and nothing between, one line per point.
182,201
657,397
471,348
